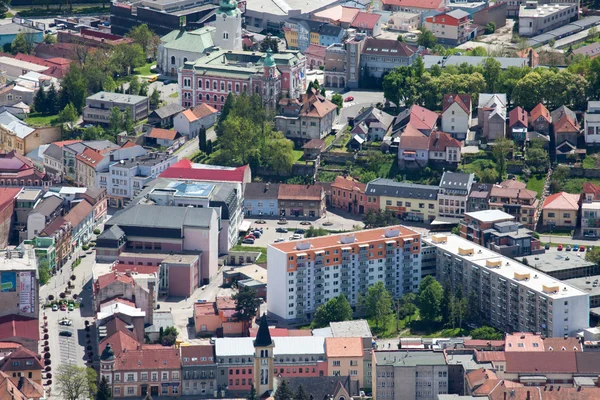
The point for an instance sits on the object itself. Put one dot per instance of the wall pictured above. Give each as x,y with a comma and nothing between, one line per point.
460,125
208,242
5,223
495,14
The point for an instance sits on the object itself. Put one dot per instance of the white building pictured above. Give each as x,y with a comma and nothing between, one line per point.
404,21
591,123
178,47
304,274
456,115
536,19
452,197
189,122
511,296
228,35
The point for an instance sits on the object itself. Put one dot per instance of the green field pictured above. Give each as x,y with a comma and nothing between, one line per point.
145,70
536,183
263,252
39,120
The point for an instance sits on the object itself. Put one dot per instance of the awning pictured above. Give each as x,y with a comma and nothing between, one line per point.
245,226
445,221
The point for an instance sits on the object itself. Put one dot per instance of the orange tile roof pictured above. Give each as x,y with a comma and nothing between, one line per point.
413,139
422,118
10,345
517,114
562,344
562,201
300,192
487,356
348,183
479,376
203,110
106,279
343,347
142,269
90,157
128,144
66,142
165,134
523,341
189,115
204,309
152,359
539,111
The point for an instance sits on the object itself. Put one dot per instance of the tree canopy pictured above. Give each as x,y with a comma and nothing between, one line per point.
430,298
246,304
335,310
377,303
379,218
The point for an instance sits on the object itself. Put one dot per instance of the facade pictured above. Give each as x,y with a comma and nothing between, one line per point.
17,170
164,138
511,296
560,210
261,199
451,28
413,147
198,370
190,122
491,115
536,19
424,9
179,46
349,195
366,254
88,164
23,363
163,117
311,116
17,136
301,201
345,357
211,78
216,318
443,148
20,285
590,210
368,23
453,193
540,119
186,170
97,106
591,123
228,24
479,197
456,115
409,201
8,200
404,21
381,55
513,198
315,56
517,124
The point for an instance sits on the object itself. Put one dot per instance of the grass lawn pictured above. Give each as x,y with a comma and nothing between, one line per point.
263,252
589,162
145,70
329,139
298,155
174,95
8,15
536,183
37,120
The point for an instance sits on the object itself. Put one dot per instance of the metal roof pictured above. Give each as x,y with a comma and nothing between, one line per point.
388,187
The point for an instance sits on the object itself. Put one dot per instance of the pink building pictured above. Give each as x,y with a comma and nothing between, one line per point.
211,78
217,318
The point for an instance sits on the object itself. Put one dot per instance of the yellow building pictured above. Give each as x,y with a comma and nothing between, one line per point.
409,201
315,38
23,362
24,139
290,30
560,210
345,357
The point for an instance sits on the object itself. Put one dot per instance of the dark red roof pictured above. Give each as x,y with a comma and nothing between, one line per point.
185,169
300,192
365,20
197,355
7,196
16,361
463,100
19,326
517,115
105,280
540,362
440,141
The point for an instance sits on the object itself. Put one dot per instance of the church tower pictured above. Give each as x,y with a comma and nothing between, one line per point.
228,33
263,359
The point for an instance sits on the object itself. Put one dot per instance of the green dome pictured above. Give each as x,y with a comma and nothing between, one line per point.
269,60
107,354
228,6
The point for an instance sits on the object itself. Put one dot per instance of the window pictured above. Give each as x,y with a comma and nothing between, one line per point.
130,390
144,376
550,215
165,390
165,376
225,35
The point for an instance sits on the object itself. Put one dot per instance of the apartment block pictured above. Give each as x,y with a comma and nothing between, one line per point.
590,210
515,199
536,19
453,194
304,274
511,296
98,106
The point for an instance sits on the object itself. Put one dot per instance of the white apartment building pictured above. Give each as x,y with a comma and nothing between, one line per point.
304,274
512,297
536,19
453,192
591,123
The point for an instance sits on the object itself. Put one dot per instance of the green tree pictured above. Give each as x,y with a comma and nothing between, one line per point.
144,88
593,33
335,310
68,114
91,379
379,218
486,333
338,100
430,299
252,395
109,84
315,232
278,154
447,299
537,159
377,303
142,36
154,99
104,392
126,57
301,393
406,307
246,305
501,149
44,271
39,101
283,392
227,107
169,336
22,43
128,122
52,106
490,28
72,381
400,38
115,121
134,86
593,255
74,88
426,39
491,74
269,43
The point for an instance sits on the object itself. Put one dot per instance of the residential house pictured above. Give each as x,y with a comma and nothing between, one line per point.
378,56
60,231
540,119
491,115
453,193
217,318
367,23
313,149
456,115
44,212
89,163
190,122
301,201
479,197
20,137
413,146
260,199
517,125
512,197
180,46
590,210
538,139
97,198
163,117
335,72
315,56
20,389
566,131
14,68
199,370
404,21
451,28
311,116
164,138
98,107
443,148
18,171
423,119
23,363
349,195
371,124
591,123
345,356
591,50
337,15
560,210
409,201
25,201
300,33
330,34
81,218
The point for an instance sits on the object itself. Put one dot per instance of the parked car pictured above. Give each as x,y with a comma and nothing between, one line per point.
71,307
547,246
295,237
590,235
349,98
251,236
248,241
559,247
581,248
256,234
66,333
54,307
575,247
568,248
278,240
281,230
63,307
66,322
300,231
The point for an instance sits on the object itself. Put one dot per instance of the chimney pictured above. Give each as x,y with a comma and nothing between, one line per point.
528,395
505,395
151,302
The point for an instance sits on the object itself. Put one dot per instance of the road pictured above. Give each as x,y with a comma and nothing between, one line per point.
569,240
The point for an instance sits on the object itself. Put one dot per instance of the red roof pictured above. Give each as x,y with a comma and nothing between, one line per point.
463,101
10,345
562,201
315,50
128,144
516,115
185,169
19,326
413,139
349,183
149,359
540,111
589,188
65,142
203,110
422,118
440,141
118,300
21,353
142,269
487,356
105,280
7,196
300,192
365,20
90,157
198,354
424,4
539,362
282,332
165,134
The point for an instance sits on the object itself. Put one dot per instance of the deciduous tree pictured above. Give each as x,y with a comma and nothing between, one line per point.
335,310
246,305
72,382
430,298
377,303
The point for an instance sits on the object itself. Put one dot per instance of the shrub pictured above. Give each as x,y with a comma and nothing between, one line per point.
96,231
48,375
47,356
47,348
89,348
49,382
47,362
85,247
48,369
51,297
73,277
62,295
46,343
75,296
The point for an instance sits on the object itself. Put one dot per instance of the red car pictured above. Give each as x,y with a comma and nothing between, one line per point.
581,248
559,248
63,307
349,98
250,237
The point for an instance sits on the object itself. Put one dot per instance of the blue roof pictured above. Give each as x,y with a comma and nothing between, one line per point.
192,189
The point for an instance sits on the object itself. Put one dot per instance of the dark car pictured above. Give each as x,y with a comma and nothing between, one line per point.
66,333
281,230
300,231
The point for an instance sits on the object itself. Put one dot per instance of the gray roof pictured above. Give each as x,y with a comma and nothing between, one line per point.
261,191
357,328
37,154
168,110
323,387
556,114
388,187
13,29
458,14
444,61
145,160
112,233
163,217
467,361
54,151
557,261
117,97
456,180
586,284
375,113
330,30
161,319
48,205
410,358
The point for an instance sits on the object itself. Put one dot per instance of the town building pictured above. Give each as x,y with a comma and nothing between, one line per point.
560,210
540,119
22,388
456,115
81,219
349,195
333,387
345,357
413,147
453,193
335,71
517,125
491,115
404,21
409,201
23,363
163,117
216,318
451,28
190,122
563,266
44,212
159,137
88,164
222,72
228,24
198,370
179,46
313,148
17,136
511,296
371,124
337,15
424,9
591,50
377,56
535,19
59,231
98,107
443,149
479,197
186,170
261,199
367,23
566,132
590,210
8,200
591,123
315,56
293,297
512,197
301,201
310,116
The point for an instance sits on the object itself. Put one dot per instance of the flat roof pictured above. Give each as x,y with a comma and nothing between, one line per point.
543,10
29,194
468,361
489,215
252,271
244,346
553,261
357,328
117,97
586,284
15,260
409,358
508,267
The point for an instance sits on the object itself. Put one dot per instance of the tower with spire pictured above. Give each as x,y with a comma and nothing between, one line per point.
263,359
228,32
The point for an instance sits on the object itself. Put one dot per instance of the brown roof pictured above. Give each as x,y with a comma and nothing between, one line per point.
540,111
29,388
21,355
541,362
479,376
314,144
565,124
106,279
513,184
463,100
562,201
440,141
384,46
365,20
422,118
562,344
413,139
315,50
90,157
128,144
79,213
348,183
203,110
142,269
197,355
491,385
166,134
587,363
489,356
19,326
315,105
300,192
593,189
19,388
516,115
149,359
343,347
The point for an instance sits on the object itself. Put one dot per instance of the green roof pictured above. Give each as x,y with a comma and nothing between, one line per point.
195,41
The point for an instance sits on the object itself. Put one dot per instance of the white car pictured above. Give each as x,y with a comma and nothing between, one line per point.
279,240
295,237
55,307
66,322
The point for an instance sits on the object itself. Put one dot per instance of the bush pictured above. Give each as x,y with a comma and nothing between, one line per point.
46,337
48,375
62,295
46,343
47,362
75,296
73,277
96,231
47,356
85,247
51,297
48,369
47,348
490,28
